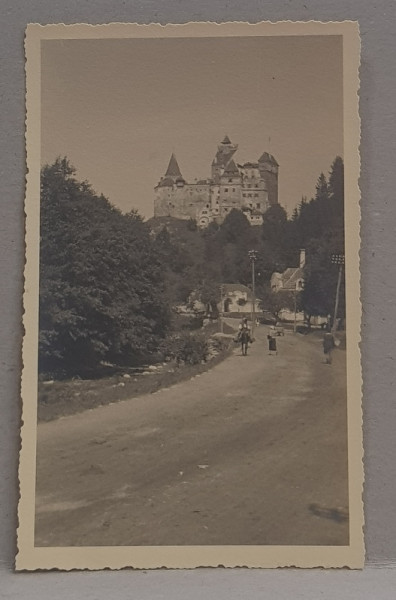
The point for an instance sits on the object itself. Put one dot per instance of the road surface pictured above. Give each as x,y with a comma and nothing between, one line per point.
254,451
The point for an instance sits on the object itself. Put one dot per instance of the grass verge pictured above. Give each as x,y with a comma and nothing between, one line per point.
63,398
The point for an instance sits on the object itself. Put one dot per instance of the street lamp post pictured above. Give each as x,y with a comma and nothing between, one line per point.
221,308
337,259
253,257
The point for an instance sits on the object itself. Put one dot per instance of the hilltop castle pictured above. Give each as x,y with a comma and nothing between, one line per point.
251,188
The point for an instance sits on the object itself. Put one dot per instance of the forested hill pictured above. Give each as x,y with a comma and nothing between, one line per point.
204,259
109,281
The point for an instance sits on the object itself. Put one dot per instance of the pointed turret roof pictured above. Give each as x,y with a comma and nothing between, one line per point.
231,168
173,168
266,157
226,140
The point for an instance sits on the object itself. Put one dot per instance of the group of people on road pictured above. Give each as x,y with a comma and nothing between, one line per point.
244,337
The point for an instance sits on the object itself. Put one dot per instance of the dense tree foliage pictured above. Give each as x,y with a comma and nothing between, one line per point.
101,281
316,225
109,282
319,228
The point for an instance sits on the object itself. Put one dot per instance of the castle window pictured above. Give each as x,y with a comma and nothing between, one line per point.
226,189
258,205
207,206
233,189
230,180
256,195
256,185
249,195
244,195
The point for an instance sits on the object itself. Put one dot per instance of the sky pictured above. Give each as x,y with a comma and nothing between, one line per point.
118,109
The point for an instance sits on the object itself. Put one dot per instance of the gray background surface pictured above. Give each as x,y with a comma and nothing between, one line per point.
378,113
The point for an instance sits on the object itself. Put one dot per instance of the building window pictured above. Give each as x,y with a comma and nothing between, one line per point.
256,185
258,205
230,180
249,185
233,189
256,195
226,189
249,195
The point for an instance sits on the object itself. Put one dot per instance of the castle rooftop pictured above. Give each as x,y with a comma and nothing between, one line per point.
231,168
266,157
173,169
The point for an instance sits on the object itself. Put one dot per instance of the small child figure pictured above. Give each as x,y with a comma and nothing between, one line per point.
271,345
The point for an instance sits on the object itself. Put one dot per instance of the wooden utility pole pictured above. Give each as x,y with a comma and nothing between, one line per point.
295,310
253,257
337,259
221,309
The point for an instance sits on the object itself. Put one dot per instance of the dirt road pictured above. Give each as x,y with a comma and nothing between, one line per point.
253,451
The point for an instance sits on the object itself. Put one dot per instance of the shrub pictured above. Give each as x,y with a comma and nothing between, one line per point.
187,348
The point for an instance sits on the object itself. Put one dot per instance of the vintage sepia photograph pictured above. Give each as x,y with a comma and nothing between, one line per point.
191,384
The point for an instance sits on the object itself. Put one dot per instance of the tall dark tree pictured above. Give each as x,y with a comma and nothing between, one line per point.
336,192
321,229
101,281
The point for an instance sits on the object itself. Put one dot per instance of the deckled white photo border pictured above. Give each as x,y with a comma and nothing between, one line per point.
30,557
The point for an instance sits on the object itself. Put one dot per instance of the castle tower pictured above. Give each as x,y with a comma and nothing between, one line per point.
173,171
269,169
225,151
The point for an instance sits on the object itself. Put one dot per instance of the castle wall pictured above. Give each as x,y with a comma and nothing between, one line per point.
251,187
181,202
229,194
254,189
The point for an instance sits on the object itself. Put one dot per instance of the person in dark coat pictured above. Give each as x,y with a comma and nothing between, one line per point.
328,347
272,345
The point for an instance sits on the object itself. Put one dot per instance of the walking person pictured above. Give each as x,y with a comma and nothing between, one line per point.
272,348
328,347
244,336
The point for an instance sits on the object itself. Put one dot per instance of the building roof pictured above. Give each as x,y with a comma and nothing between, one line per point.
173,168
225,151
230,288
249,165
291,276
266,157
165,182
231,168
